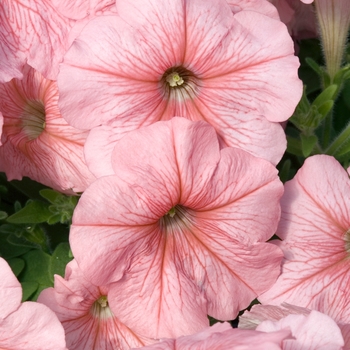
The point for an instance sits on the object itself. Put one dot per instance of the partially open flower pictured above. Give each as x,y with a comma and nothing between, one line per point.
334,20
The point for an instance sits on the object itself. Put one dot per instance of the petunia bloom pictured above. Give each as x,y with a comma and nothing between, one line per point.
84,312
310,329
223,336
36,141
28,325
314,228
195,59
180,228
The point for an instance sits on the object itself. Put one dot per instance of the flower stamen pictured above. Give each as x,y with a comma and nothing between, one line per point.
177,219
174,79
100,308
179,83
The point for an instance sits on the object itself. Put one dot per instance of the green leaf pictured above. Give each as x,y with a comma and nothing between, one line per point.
28,289
16,265
8,250
326,95
37,270
50,195
284,173
314,65
59,260
3,215
308,142
325,108
294,146
54,219
33,213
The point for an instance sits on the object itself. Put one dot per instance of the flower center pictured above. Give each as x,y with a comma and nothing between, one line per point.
100,308
179,83
33,119
175,220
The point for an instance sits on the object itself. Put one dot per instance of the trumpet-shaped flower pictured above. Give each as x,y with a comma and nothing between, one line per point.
314,228
156,60
84,312
25,326
180,228
32,32
36,141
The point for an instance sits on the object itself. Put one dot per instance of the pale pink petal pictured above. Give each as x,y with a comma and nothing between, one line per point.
299,18
87,16
261,6
248,69
345,330
182,154
259,313
98,150
84,311
157,285
32,326
314,228
80,9
222,336
32,32
181,223
36,141
315,331
10,290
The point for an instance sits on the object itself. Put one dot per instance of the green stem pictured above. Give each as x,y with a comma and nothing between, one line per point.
339,142
327,129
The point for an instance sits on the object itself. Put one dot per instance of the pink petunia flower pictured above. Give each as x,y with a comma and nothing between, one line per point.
223,336
314,229
311,329
36,141
33,32
25,326
193,59
180,227
84,312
